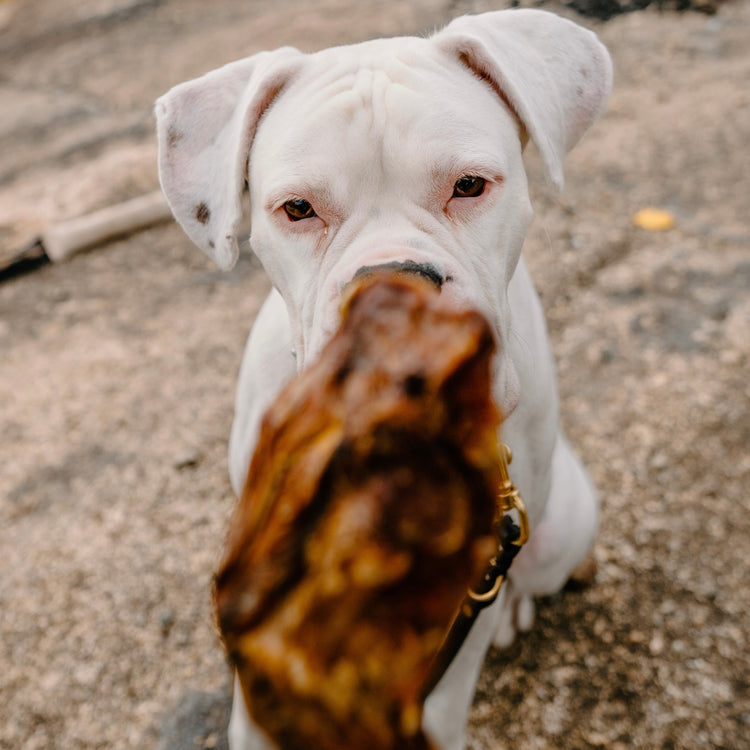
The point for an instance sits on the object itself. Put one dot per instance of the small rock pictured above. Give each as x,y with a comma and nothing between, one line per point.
659,460
656,646
607,354
166,620
186,459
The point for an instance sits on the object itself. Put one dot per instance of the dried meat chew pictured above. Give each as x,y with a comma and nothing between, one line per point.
367,513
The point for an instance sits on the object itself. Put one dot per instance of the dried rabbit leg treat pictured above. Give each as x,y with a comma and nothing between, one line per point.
367,513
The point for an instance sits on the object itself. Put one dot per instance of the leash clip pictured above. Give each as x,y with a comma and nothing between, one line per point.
510,535
509,498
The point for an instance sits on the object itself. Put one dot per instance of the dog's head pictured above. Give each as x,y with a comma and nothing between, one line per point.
402,151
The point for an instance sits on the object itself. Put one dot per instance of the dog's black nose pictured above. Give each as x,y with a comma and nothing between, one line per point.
425,270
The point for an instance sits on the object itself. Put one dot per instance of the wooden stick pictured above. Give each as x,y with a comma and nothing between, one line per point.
66,238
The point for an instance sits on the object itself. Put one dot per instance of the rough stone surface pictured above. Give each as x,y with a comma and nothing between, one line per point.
117,373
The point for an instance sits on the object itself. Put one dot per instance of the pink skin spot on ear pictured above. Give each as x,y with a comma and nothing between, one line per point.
202,213
173,137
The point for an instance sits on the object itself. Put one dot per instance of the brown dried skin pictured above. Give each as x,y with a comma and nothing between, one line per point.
367,512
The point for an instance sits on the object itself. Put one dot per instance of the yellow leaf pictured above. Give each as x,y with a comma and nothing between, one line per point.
654,219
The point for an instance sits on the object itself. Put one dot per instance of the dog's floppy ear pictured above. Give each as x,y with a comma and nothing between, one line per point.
555,75
204,129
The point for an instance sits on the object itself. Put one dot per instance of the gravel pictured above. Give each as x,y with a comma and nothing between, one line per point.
117,372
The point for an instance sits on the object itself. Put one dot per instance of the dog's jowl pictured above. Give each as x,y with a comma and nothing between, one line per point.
406,154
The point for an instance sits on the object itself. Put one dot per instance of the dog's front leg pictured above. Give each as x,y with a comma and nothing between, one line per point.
446,710
243,733
267,364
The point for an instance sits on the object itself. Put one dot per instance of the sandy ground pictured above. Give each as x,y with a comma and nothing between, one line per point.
117,372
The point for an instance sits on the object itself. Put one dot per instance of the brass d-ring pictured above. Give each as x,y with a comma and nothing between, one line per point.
523,519
489,595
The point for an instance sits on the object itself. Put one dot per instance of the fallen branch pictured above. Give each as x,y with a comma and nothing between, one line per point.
64,239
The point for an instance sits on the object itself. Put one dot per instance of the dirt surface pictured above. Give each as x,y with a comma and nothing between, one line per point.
117,372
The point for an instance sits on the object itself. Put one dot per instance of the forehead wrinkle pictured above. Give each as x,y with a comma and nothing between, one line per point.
326,108
386,115
348,117
458,125
351,81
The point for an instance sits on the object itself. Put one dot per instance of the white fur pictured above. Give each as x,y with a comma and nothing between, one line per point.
374,136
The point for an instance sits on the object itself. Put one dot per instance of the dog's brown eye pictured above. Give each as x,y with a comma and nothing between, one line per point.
469,186
298,209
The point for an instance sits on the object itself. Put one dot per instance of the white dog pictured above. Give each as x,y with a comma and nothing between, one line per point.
403,153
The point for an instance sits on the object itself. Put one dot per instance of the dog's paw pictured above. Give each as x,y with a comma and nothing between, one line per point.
584,574
516,616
